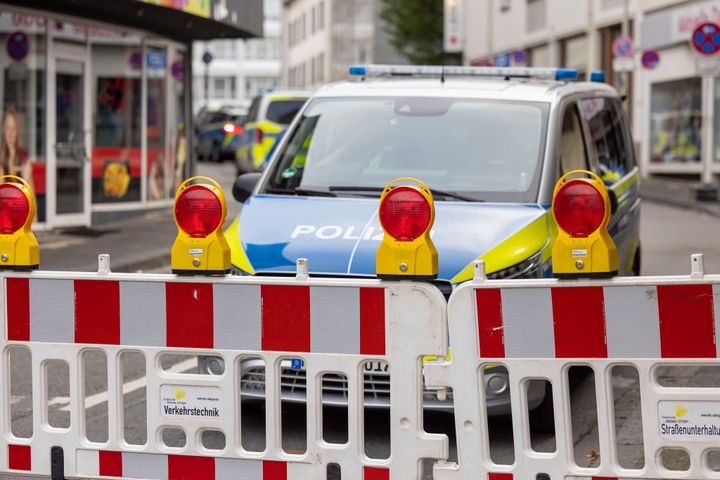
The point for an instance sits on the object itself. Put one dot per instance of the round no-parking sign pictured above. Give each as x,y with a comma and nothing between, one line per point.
706,39
18,45
650,59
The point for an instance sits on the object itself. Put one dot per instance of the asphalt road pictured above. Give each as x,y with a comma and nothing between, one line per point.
668,237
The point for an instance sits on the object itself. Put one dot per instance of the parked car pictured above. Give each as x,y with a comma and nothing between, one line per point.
218,132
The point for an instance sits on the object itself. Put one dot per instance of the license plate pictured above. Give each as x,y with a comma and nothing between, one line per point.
376,366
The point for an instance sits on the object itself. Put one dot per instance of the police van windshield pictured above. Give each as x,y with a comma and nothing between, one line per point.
484,150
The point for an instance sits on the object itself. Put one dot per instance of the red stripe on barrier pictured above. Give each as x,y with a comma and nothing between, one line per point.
491,339
19,457
686,321
110,463
579,320
274,470
189,321
97,312
18,309
285,318
500,476
182,467
372,321
371,473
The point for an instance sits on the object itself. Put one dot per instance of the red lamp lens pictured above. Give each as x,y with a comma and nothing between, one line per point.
14,209
579,208
405,214
198,211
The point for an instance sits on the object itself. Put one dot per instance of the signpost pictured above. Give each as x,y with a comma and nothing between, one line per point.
705,40
622,48
18,46
453,26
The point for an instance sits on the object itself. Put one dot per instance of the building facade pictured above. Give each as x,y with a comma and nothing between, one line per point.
671,104
96,99
240,69
321,38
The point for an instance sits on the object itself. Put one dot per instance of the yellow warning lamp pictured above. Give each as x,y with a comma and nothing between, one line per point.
407,213
200,247
18,246
581,209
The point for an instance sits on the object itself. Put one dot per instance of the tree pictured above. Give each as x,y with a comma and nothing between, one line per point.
416,30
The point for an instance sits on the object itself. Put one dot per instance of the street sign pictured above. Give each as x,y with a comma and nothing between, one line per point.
650,59
18,46
453,26
705,39
207,58
502,59
622,47
520,57
623,64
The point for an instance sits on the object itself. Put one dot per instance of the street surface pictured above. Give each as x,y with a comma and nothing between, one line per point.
668,235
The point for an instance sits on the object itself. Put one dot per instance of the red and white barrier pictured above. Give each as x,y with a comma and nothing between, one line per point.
333,325
538,329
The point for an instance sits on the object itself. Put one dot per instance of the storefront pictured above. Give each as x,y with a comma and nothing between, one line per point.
679,101
96,104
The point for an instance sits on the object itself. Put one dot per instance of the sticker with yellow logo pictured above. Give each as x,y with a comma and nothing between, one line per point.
689,420
190,402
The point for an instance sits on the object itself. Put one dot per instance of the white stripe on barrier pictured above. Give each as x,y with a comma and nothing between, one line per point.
527,323
631,314
140,305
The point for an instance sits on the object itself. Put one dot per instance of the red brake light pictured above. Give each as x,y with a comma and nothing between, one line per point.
258,135
198,211
405,213
14,209
229,128
579,208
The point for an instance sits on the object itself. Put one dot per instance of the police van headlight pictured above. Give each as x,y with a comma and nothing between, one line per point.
529,268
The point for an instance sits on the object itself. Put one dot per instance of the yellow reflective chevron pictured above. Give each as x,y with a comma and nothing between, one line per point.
514,249
237,255
271,132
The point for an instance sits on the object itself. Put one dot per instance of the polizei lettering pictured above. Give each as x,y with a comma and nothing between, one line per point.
191,412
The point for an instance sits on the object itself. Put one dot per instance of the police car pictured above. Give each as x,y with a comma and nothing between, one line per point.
491,144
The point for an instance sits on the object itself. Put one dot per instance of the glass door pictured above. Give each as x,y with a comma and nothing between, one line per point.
71,142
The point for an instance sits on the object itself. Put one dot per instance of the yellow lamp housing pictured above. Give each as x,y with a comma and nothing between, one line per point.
200,247
581,210
407,213
18,246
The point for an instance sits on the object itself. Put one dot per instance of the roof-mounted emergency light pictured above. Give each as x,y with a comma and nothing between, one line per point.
597,76
18,246
407,213
581,209
200,247
456,71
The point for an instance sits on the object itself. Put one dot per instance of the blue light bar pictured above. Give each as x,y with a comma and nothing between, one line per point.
456,71
597,76
566,74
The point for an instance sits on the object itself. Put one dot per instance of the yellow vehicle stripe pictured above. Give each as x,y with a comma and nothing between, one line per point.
514,249
237,254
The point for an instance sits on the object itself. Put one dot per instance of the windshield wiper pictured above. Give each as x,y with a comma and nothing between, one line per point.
302,191
439,193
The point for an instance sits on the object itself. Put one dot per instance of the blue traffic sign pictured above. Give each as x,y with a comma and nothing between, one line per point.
18,45
706,38
502,59
650,59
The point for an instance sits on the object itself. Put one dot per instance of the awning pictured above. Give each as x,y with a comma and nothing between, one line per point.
220,19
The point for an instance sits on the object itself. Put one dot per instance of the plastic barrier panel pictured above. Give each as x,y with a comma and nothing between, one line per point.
153,334
542,329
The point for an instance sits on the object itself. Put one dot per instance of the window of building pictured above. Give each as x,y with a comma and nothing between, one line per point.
258,85
321,15
573,54
22,82
676,121
539,56
536,15
608,137
312,19
223,87
223,49
572,152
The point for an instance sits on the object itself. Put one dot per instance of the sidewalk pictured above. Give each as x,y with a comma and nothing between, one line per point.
141,242
678,193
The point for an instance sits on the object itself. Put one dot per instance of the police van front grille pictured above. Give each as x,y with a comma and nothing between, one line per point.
293,381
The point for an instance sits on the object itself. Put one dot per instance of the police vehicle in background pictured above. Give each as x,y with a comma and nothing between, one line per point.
491,144
217,133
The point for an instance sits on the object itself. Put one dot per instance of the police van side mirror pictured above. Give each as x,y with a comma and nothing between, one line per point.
244,185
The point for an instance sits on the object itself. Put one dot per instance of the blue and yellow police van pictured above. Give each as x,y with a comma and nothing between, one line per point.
491,143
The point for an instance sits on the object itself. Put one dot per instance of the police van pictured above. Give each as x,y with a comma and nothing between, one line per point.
491,144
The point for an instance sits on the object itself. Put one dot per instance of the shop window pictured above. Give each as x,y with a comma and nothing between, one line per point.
574,54
157,153
716,136
676,121
539,56
179,165
608,137
116,89
572,152
22,77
